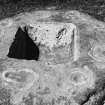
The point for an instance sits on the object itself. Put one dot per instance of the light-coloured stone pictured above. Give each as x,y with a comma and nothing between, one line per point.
97,52
80,79
52,34
48,24
33,77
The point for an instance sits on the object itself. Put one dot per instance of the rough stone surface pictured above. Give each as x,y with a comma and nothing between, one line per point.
52,34
65,69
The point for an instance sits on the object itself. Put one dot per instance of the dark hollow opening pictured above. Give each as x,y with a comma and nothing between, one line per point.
23,46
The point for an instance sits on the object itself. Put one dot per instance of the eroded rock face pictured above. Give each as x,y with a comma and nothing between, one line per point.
71,61
61,39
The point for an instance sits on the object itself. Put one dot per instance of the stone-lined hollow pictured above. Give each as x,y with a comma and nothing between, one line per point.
23,46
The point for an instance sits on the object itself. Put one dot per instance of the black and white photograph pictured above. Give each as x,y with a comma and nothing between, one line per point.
52,52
